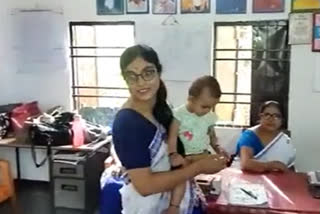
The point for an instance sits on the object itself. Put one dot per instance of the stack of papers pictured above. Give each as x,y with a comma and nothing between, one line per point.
247,194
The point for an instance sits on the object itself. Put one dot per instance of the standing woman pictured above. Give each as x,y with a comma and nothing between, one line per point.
139,134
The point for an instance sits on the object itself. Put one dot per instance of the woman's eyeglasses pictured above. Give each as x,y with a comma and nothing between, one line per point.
269,115
146,75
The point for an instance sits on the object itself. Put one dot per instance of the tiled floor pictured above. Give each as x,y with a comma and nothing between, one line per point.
34,198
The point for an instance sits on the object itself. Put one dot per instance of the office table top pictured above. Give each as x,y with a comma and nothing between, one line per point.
14,143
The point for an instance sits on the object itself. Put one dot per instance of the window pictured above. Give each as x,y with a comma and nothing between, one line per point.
96,48
251,63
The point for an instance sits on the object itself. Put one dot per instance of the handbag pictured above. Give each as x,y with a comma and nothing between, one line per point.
21,113
67,129
45,134
50,134
4,124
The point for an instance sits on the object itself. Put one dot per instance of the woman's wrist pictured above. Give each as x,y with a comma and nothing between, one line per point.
174,205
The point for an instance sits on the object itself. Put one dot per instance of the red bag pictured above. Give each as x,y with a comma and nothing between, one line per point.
21,113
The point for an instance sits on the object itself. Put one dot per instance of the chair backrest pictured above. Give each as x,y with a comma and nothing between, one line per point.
228,137
6,181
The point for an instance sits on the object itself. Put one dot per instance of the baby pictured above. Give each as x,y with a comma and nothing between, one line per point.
192,135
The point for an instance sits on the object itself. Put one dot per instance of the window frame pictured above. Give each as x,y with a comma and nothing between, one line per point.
73,56
236,59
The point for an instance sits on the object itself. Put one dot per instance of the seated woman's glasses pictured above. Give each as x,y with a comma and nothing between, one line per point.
146,75
269,115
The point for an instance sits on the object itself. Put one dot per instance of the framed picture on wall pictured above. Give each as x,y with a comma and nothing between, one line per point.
231,6
110,7
316,32
195,6
164,6
137,6
267,6
300,28
305,5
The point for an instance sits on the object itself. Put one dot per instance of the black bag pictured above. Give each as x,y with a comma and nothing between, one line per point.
58,133
4,124
45,134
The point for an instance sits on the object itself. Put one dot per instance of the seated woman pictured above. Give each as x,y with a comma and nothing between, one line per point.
265,147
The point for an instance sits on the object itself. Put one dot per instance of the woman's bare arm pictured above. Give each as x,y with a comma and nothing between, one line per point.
250,164
147,182
173,136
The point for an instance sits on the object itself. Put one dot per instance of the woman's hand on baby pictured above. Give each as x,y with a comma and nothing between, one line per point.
177,160
212,164
277,166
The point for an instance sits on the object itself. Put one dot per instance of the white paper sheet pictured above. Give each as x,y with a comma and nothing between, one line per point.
239,197
39,42
300,28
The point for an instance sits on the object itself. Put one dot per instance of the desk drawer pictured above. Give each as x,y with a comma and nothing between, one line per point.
69,193
68,170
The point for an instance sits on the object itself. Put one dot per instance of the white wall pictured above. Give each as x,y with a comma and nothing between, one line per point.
304,106
185,52
185,55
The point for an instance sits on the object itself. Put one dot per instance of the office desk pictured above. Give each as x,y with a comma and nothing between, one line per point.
14,143
287,194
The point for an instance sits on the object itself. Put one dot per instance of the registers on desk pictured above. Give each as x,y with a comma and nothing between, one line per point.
76,179
69,164
69,157
314,183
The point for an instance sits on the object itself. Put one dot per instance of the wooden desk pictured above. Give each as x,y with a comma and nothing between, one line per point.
14,143
7,141
287,194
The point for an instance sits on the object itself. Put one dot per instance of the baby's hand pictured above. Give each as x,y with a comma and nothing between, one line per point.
212,164
176,160
227,156
224,153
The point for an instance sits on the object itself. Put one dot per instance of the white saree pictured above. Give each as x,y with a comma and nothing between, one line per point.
134,203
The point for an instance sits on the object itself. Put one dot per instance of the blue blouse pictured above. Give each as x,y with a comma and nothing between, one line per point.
249,139
132,135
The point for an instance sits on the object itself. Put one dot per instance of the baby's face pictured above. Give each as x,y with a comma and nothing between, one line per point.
204,103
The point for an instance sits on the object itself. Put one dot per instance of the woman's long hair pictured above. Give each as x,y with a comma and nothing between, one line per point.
161,110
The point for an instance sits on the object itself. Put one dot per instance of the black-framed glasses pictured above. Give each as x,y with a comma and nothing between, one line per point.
147,75
269,115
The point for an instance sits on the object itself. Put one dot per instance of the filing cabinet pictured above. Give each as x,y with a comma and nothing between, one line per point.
75,178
